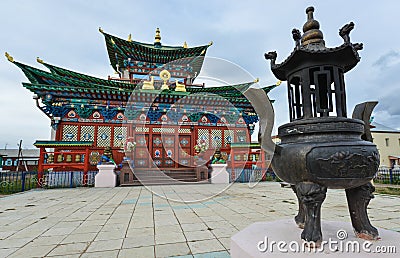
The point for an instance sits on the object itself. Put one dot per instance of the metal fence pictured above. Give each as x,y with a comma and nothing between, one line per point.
388,176
383,176
250,175
13,182
67,179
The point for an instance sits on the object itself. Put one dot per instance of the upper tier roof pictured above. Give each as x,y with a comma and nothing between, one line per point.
120,50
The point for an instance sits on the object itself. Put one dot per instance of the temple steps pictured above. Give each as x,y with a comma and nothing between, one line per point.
166,177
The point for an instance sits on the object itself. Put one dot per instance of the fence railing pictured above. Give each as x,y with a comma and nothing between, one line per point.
388,176
13,182
245,175
383,176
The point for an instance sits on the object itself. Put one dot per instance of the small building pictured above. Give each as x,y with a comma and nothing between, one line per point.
1,162
388,142
27,159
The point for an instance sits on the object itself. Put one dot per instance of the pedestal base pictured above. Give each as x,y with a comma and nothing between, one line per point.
106,176
282,238
219,175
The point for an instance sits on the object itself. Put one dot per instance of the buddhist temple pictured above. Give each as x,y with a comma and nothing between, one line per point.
153,104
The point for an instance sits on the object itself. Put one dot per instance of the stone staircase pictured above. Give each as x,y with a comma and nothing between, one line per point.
165,177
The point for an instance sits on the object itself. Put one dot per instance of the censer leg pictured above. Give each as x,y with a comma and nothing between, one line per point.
301,215
358,199
312,196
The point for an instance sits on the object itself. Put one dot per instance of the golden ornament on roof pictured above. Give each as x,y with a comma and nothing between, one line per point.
180,87
165,76
10,58
148,85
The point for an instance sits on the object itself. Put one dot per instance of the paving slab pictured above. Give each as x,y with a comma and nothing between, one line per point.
138,241
33,250
101,254
175,249
66,249
198,235
140,252
105,245
205,246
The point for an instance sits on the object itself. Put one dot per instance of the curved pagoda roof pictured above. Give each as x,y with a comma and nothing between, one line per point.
63,77
65,84
120,50
310,50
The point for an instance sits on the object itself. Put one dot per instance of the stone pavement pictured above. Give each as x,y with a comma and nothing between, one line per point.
135,222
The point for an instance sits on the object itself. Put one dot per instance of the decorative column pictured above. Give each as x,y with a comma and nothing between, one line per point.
106,176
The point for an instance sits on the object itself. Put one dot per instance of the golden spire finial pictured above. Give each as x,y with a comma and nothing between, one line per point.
101,30
157,38
39,60
10,58
256,80
130,37
278,83
185,45
210,43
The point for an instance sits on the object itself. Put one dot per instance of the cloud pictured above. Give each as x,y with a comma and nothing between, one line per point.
386,118
383,85
389,59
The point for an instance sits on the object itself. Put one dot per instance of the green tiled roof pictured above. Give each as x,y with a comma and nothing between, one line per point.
120,50
245,145
62,143
230,91
86,78
67,91
38,76
65,84
77,92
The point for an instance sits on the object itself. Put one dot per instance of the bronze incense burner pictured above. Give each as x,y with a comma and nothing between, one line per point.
321,148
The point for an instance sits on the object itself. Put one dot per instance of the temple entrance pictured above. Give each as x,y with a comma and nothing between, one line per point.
163,150
185,150
141,154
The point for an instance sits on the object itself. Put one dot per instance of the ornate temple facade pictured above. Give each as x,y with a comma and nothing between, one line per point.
154,105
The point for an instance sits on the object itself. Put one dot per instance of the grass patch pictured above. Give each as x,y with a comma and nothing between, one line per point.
387,190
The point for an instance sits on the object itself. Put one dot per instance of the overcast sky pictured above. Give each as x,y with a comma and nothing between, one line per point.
65,33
